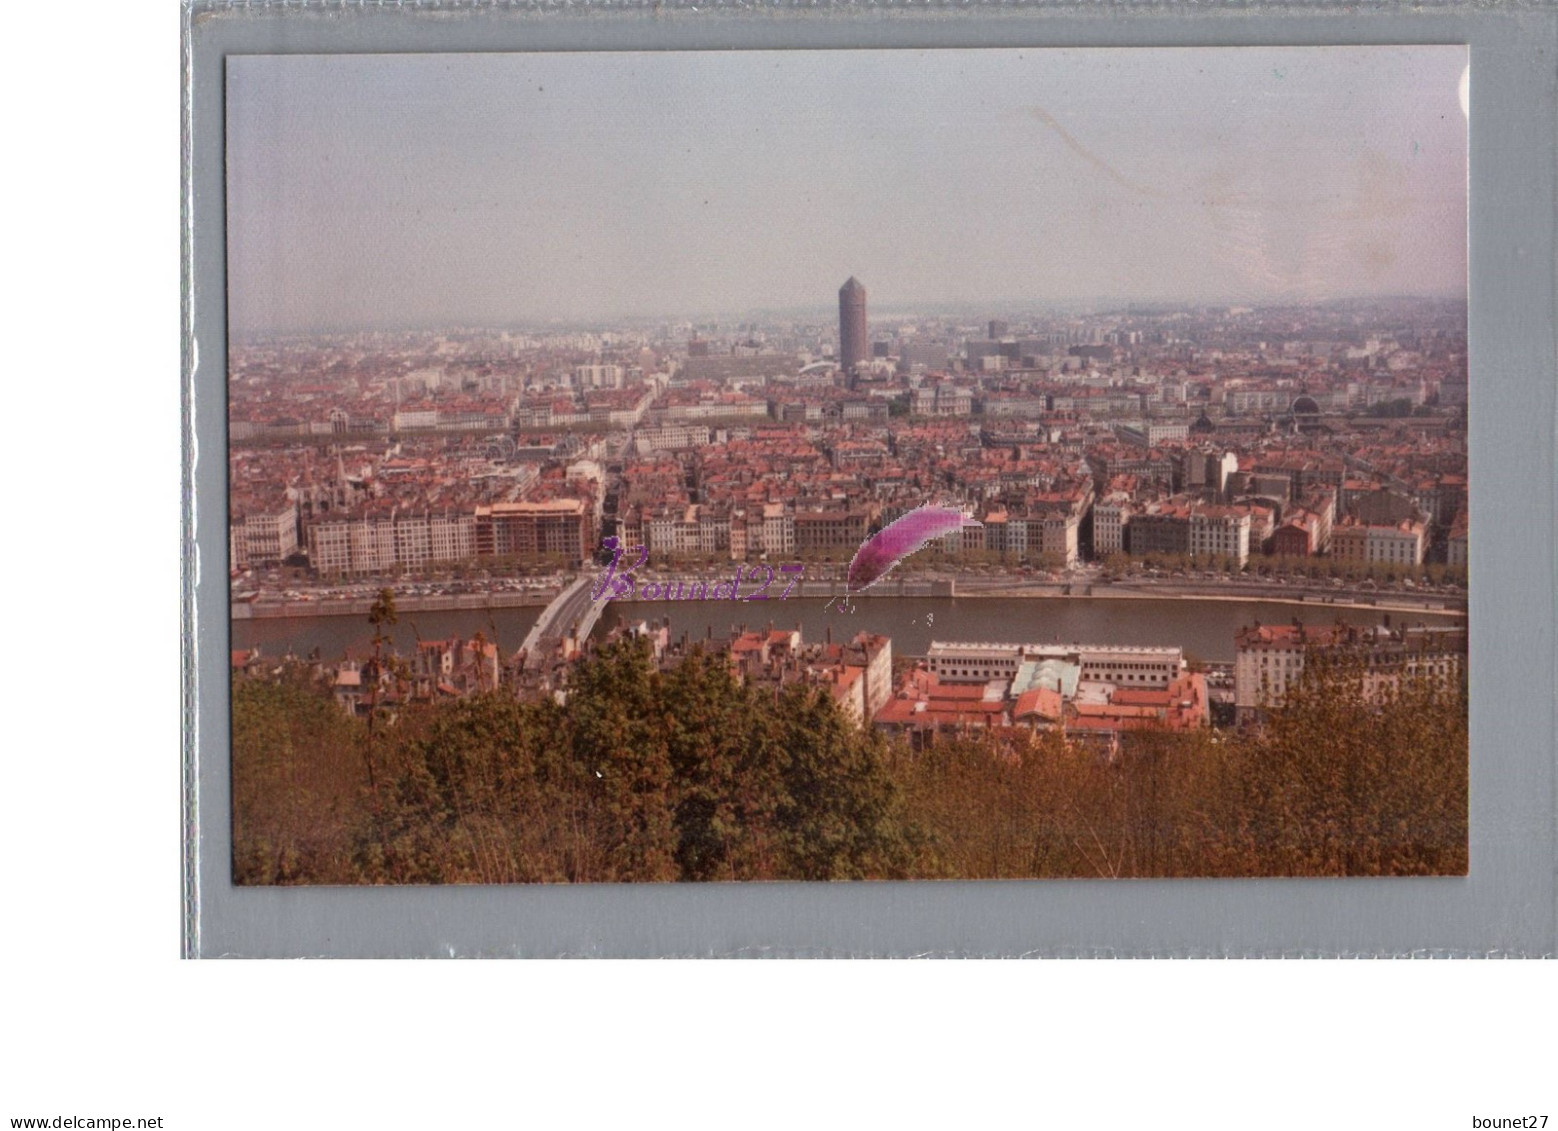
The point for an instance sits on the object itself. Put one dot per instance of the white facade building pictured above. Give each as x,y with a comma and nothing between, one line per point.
1058,539
1401,544
381,543
1109,518
1121,665
264,537
1220,532
778,528
598,376
1269,659
416,418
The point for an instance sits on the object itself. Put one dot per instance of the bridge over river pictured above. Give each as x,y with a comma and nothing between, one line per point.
572,613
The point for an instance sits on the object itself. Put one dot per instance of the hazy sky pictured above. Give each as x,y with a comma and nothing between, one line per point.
420,190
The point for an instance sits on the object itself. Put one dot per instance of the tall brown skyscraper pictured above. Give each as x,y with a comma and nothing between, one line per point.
854,346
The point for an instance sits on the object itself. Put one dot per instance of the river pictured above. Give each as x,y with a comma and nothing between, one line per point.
1203,627
336,635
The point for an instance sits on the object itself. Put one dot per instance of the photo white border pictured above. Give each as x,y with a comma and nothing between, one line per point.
1507,905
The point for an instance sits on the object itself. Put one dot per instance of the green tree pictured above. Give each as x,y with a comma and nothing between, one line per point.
618,732
727,772
1349,779
487,795
695,775
295,783
839,815
381,615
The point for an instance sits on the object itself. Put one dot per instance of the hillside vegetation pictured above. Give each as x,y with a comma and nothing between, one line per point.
690,775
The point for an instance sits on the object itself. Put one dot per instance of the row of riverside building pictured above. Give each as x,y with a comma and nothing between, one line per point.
559,528
1097,694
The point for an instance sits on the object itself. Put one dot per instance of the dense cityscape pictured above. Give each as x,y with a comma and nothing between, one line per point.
1299,451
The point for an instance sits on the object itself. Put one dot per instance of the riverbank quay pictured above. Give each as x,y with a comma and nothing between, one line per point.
1266,594
910,585
703,587
263,609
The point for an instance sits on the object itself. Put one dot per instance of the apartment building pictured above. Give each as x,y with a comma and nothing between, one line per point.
384,542
1400,544
830,530
1057,540
598,376
1456,548
778,528
554,527
1109,518
1270,659
263,536
1222,532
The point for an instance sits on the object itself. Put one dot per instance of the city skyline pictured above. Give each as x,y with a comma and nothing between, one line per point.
823,314
1173,565
416,191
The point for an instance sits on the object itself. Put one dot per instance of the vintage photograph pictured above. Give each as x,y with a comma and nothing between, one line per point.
848,465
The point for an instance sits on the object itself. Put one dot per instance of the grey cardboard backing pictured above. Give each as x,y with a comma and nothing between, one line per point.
1506,906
